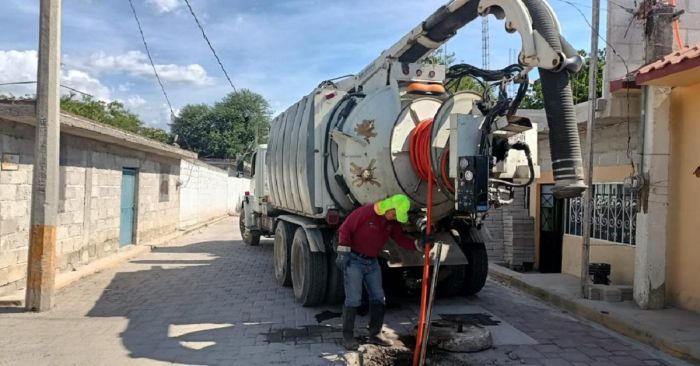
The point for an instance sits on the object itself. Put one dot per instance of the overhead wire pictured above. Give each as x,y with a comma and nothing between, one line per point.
211,47
150,59
34,82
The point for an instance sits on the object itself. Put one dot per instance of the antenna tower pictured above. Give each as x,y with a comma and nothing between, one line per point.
485,48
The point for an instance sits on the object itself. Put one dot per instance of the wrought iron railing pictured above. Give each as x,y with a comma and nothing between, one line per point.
615,214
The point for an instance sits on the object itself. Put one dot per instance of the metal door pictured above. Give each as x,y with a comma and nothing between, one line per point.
551,230
128,207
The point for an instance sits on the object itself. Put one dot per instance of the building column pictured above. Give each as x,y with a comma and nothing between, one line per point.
651,239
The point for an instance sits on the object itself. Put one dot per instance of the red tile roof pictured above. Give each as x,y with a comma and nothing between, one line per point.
680,60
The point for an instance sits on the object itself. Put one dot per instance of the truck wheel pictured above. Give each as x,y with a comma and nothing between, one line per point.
453,284
284,234
250,237
478,268
309,271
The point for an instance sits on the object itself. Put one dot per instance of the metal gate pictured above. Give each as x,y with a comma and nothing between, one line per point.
128,206
551,230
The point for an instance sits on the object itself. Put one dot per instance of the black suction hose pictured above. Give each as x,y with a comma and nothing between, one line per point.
567,164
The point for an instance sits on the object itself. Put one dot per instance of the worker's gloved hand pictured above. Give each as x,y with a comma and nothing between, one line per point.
422,224
343,257
420,243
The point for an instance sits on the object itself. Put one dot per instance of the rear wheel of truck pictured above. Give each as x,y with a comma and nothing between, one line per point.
284,235
250,237
453,283
309,271
478,268
335,290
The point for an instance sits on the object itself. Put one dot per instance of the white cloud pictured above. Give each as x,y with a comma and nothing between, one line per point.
166,6
136,64
82,81
134,102
18,66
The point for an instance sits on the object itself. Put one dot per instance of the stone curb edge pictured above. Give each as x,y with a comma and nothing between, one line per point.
627,329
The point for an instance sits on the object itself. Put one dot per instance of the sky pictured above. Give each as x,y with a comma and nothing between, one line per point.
280,49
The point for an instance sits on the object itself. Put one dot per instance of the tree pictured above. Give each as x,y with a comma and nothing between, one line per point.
578,82
113,114
439,56
225,130
109,113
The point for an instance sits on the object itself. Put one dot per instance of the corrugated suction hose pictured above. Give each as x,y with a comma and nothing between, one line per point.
567,164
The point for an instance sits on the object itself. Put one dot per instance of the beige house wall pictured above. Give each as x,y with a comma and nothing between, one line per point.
620,257
611,165
683,251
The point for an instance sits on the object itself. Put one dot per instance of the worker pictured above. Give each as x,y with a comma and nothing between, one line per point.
361,237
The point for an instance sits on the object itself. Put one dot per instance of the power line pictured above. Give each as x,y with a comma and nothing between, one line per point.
204,34
148,52
34,82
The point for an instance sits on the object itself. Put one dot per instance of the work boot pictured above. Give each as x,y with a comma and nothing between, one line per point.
349,340
376,321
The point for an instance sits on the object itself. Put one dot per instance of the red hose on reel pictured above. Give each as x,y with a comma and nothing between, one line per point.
419,149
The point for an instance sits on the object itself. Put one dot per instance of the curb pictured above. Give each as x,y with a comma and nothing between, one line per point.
67,278
625,328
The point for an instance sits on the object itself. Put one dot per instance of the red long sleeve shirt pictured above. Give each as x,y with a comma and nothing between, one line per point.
366,232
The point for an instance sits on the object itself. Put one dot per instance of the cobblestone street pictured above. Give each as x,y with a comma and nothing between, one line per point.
209,299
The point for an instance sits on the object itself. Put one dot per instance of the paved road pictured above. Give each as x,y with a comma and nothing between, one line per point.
209,299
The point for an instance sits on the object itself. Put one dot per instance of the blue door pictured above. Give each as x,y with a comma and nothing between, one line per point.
128,207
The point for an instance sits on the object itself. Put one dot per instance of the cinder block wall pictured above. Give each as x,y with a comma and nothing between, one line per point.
610,145
626,35
89,201
203,192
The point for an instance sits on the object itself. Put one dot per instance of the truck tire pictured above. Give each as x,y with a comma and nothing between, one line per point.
478,268
284,234
453,284
309,271
250,237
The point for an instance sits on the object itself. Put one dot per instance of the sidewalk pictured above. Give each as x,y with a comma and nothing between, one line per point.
674,331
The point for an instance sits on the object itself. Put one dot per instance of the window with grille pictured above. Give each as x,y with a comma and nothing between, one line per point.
614,214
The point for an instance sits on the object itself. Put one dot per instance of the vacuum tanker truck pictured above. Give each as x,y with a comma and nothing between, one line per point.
396,125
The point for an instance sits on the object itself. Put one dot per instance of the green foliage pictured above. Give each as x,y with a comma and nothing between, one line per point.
441,57
113,114
578,81
225,130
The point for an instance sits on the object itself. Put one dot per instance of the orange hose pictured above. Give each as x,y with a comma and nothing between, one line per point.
677,29
420,159
419,148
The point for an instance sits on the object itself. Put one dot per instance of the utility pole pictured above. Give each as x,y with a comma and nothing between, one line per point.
41,268
592,98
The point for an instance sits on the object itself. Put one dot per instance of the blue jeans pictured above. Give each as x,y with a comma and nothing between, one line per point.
363,271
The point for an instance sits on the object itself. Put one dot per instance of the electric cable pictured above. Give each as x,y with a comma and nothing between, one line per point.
150,59
211,47
34,82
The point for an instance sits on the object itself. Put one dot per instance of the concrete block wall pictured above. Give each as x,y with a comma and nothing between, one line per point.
203,192
89,201
15,196
610,145
507,241
626,35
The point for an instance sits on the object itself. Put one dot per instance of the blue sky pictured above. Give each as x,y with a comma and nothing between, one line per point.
278,48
